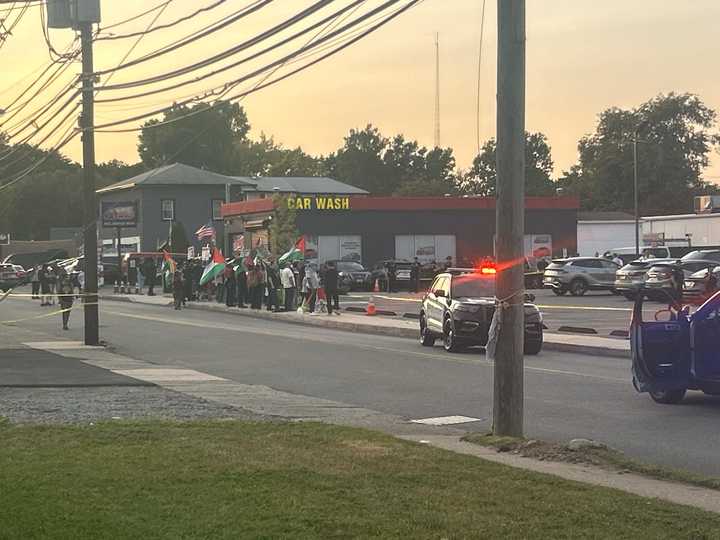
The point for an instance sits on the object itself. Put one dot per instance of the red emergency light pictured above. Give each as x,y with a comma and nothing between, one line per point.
488,270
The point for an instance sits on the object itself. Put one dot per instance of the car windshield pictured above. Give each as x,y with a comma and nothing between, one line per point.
344,266
473,286
702,255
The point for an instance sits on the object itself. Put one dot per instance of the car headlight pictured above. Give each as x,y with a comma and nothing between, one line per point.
689,284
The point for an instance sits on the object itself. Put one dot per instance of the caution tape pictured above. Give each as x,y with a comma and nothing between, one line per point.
45,315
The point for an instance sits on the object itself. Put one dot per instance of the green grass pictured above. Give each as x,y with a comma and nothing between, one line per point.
601,457
251,480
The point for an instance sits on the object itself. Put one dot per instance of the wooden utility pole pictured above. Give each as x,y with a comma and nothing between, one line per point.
508,380
87,121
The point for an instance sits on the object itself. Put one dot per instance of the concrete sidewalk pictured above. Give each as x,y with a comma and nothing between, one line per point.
386,326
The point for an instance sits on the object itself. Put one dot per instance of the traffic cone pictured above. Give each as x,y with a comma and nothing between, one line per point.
376,288
370,310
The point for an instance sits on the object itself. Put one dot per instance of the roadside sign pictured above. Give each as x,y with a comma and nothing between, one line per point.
119,214
4,239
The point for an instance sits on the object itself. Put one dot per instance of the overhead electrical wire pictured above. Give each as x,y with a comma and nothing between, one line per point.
102,128
135,17
163,26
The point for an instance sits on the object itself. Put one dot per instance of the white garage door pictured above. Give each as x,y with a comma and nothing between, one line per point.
340,248
427,248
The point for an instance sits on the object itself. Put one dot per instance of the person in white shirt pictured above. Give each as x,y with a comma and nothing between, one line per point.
287,279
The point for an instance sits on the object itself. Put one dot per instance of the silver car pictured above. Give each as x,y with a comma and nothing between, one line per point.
578,275
631,278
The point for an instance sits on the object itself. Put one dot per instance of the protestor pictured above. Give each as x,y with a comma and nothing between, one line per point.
287,279
330,281
243,296
273,286
178,288
35,280
230,284
44,277
313,284
149,271
391,274
415,275
65,294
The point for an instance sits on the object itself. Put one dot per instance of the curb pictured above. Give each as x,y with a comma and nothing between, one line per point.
339,324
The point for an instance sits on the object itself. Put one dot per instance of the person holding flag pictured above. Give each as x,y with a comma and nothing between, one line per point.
215,267
169,268
294,254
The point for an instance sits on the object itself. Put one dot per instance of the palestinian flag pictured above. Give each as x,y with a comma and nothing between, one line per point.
169,267
296,253
214,268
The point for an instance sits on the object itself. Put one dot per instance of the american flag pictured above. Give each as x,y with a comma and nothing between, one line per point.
206,231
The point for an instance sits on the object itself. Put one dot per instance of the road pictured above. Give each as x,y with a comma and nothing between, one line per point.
567,395
601,311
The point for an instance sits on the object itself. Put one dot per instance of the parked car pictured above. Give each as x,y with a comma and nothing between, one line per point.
627,254
353,276
631,278
660,284
11,275
459,308
402,273
31,260
701,285
579,275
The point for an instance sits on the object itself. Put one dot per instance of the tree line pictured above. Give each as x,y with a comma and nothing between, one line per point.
675,134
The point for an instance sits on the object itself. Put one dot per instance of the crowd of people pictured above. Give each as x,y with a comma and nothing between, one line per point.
51,282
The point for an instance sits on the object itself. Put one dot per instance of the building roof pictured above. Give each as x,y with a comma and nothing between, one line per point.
177,174
605,216
306,185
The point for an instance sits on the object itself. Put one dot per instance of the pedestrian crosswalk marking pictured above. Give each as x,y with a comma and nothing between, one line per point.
446,420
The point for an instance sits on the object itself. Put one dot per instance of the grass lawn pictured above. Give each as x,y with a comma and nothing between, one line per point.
251,480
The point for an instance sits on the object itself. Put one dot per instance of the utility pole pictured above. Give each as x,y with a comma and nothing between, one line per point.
437,90
510,216
87,122
637,204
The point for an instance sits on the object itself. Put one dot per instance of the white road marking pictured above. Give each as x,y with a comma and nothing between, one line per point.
446,420
59,345
156,375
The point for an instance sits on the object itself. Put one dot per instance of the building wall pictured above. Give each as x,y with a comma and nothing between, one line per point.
474,229
705,228
193,208
601,236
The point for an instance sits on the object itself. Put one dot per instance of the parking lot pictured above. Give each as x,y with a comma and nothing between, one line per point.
602,312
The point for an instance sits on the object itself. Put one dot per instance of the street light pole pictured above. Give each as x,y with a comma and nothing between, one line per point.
509,370
637,205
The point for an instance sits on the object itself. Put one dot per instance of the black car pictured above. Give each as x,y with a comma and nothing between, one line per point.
403,270
353,276
459,308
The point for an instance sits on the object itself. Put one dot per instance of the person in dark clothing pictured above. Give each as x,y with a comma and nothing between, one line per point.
391,273
65,296
542,264
149,270
178,287
35,283
230,285
415,275
330,279
273,284
243,295
44,278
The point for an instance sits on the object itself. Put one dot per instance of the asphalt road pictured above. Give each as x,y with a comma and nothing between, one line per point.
601,311
567,395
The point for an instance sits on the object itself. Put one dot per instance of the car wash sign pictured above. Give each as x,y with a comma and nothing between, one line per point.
319,203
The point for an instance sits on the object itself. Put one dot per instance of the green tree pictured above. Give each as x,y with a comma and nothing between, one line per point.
115,171
266,158
481,179
674,148
283,227
195,135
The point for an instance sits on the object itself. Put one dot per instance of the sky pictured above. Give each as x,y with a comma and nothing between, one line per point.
583,56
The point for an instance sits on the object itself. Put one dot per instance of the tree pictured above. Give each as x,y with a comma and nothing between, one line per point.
283,227
266,158
115,171
674,143
481,179
198,135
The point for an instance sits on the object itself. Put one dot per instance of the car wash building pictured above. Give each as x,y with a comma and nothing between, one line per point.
373,229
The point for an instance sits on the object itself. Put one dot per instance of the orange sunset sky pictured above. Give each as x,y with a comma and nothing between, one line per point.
583,56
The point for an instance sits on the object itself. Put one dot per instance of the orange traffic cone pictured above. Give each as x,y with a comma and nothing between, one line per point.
371,311
376,288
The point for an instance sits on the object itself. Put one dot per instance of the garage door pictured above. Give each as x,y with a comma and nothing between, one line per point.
340,248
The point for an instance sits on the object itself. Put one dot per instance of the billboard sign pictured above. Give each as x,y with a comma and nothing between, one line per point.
119,214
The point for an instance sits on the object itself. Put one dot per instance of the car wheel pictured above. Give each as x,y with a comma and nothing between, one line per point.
450,342
426,338
559,292
668,397
578,287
